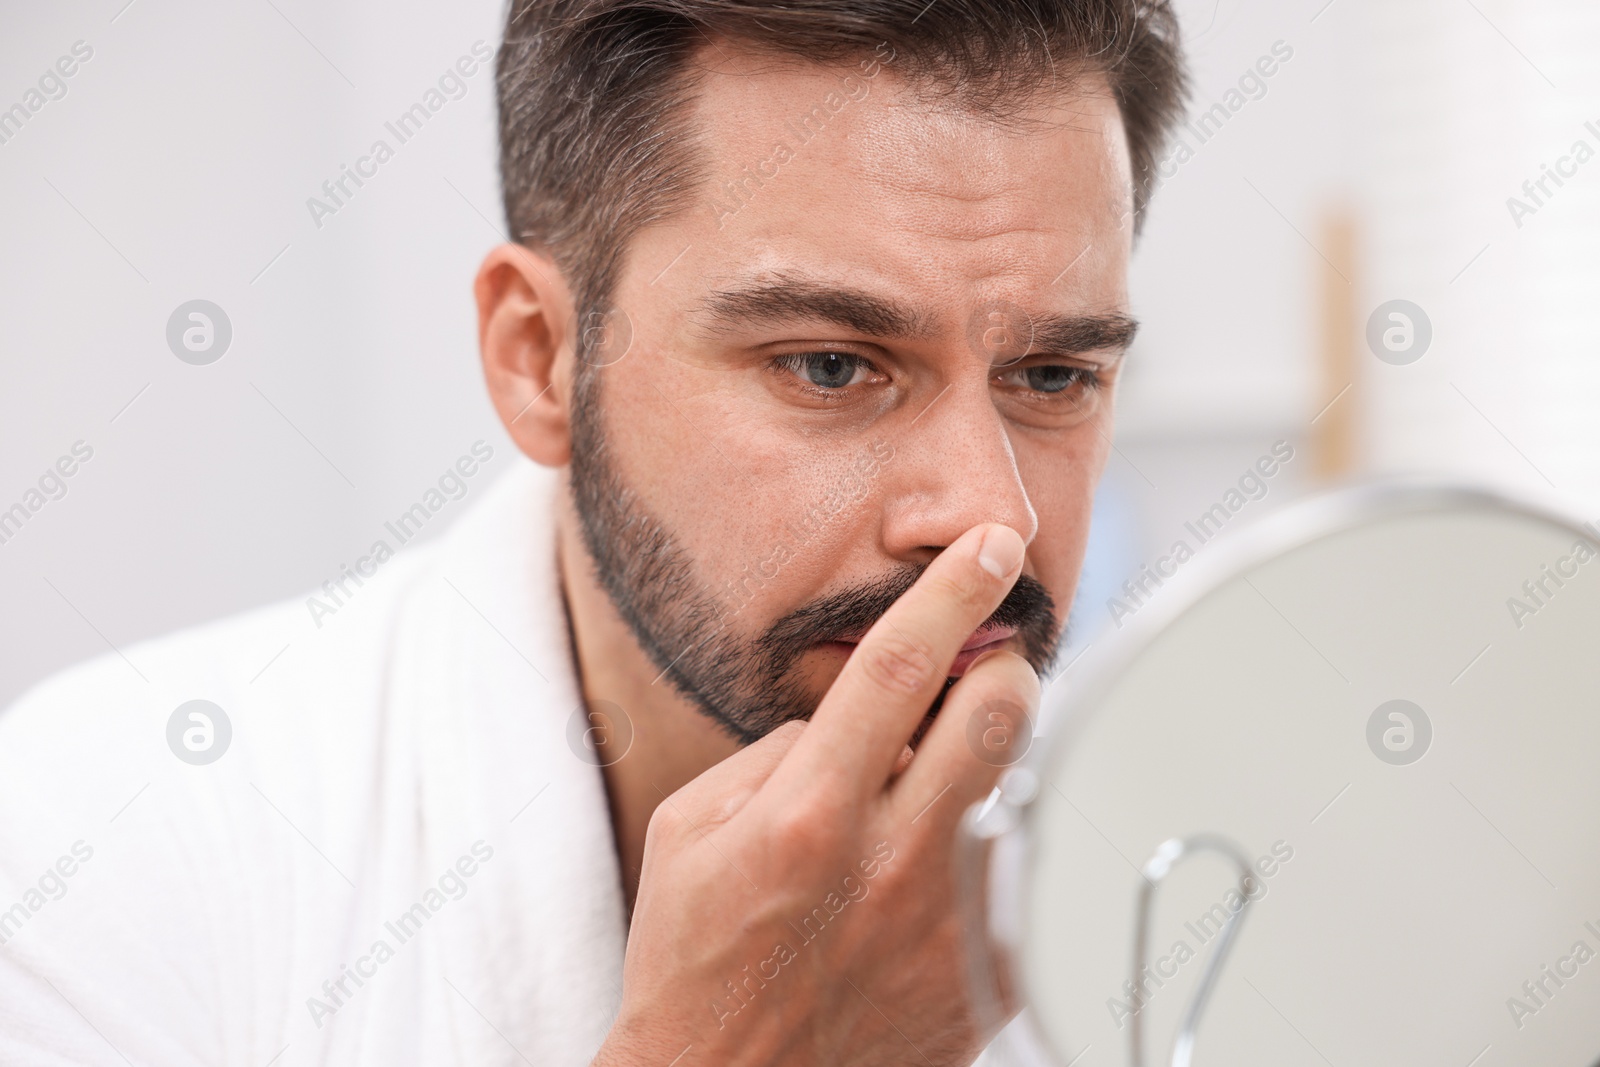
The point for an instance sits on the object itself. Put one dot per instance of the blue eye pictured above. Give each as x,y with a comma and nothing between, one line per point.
1055,378
826,370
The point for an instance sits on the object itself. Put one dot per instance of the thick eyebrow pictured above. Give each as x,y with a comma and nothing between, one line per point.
1068,334
790,298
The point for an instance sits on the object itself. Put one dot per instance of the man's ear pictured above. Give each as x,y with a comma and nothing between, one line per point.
524,319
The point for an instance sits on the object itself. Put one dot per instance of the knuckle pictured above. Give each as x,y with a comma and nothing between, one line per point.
803,830
896,664
667,822
785,734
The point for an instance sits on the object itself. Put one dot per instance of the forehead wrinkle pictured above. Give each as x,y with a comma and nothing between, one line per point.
963,211
897,145
978,215
948,187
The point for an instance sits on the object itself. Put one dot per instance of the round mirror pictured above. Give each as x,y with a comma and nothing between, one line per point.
1330,799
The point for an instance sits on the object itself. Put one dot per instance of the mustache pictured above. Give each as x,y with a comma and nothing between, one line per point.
1028,608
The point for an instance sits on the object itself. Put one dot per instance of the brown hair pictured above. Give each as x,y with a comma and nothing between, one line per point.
591,93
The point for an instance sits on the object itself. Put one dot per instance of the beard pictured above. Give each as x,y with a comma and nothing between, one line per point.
748,685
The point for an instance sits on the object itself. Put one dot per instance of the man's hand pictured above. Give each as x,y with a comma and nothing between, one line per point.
797,904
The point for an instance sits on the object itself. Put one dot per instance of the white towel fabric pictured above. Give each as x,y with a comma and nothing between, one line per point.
399,775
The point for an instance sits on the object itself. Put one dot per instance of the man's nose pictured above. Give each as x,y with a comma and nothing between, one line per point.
953,469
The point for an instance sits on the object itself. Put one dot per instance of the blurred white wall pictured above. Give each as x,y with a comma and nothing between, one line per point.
177,166
179,162
1417,119
1225,277
1472,101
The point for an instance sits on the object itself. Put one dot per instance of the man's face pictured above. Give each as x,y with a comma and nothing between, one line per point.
882,322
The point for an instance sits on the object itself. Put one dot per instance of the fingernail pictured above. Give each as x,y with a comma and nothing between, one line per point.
1001,551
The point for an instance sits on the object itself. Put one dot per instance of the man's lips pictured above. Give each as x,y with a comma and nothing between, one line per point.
989,635
985,640
982,640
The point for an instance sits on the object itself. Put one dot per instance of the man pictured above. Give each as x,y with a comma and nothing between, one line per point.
812,335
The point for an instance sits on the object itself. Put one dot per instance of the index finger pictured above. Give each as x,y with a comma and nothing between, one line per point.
891,679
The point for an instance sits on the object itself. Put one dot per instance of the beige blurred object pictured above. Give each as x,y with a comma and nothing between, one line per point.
1335,453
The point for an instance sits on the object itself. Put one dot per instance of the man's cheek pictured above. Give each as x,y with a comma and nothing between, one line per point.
1055,557
773,564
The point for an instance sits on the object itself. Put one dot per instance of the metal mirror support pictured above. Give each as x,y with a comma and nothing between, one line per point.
1170,854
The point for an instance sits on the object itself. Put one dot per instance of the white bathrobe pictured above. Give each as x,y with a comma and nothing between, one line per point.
400,858
400,775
